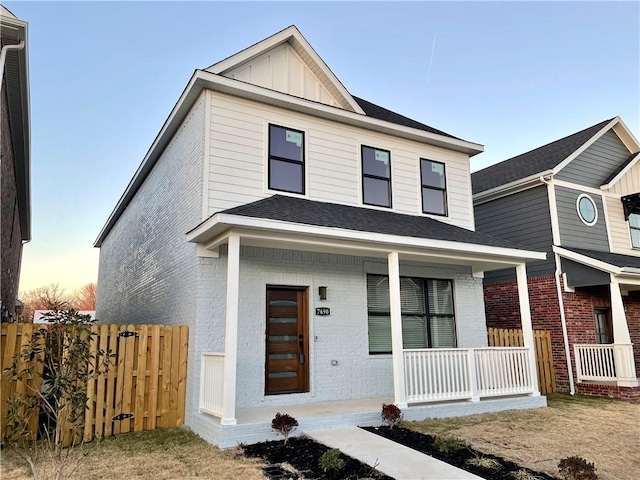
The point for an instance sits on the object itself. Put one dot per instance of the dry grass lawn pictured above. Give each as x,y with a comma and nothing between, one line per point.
603,431
163,454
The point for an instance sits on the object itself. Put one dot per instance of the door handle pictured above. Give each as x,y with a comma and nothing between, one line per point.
301,358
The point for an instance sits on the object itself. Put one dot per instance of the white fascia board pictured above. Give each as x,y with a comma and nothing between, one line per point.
221,221
622,173
289,33
588,261
275,98
586,145
511,188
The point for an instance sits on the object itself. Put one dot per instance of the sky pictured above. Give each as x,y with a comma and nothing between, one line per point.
511,76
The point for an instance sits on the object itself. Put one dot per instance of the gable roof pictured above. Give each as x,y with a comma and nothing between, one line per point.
372,117
360,219
300,44
536,161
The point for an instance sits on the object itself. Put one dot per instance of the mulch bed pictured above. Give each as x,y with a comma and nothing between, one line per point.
424,443
304,455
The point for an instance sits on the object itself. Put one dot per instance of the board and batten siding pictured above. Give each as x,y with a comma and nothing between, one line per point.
283,70
521,218
573,232
595,165
239,148
619,228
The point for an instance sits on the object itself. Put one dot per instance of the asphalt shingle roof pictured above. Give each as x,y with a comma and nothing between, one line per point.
381,113
308,212
535,161
620,168
611,258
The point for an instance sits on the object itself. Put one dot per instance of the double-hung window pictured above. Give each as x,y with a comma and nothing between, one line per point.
434,187
286,159
634,229
376,176
428,318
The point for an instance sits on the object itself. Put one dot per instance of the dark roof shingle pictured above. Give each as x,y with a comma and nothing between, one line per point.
535,161
615,259
381,113
308,212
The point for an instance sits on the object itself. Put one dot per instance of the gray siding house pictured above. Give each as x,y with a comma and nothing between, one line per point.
320,248
578,199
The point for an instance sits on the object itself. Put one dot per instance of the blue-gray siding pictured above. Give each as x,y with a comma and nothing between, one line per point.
522,218
573,232
594,166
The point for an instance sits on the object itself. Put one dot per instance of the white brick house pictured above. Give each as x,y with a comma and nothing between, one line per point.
321,249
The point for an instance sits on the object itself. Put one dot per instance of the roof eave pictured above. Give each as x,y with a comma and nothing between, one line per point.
218,223
202,80
19,110
510,188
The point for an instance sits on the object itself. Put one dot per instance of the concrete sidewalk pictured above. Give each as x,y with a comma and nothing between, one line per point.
391,458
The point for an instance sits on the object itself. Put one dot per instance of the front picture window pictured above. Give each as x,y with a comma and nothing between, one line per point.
286,159
428,319
587,210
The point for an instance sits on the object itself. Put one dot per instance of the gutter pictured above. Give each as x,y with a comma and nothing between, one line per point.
511,188
3,56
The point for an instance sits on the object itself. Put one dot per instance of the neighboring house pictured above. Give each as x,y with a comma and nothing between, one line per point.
578,199
15,211
321,249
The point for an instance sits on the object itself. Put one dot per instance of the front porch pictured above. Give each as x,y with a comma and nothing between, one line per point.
254,424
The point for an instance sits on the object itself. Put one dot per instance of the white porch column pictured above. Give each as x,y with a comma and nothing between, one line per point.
525,320
396,331
231,332
622,347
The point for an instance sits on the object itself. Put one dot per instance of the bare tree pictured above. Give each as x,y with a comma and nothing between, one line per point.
49,297
85,297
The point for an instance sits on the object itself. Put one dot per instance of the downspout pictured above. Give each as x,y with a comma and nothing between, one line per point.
3,56
563,319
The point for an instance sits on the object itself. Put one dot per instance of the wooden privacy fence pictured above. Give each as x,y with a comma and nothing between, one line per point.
144,388
512,337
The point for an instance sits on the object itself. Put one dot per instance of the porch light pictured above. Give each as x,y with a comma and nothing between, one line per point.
322,291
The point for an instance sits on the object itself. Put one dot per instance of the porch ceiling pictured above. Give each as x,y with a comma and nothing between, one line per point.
295,236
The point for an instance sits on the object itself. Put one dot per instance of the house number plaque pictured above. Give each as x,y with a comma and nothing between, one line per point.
323,312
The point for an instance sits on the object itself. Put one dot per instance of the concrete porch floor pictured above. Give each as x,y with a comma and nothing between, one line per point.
310,410
254,424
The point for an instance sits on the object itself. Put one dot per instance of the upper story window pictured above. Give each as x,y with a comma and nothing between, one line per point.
587,210
434,187
634,228
376,176
286,159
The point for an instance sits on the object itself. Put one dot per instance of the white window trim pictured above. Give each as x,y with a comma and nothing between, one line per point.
595,207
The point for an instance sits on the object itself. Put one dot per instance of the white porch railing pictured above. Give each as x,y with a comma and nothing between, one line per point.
451,374
212,383
598,362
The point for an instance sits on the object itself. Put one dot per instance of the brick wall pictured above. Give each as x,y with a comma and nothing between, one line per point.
342,336
502,311
11,238
148,272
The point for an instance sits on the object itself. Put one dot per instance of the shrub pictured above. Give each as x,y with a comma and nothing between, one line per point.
448,445
284,424
391,415
576,468
484,462
523,474
330,460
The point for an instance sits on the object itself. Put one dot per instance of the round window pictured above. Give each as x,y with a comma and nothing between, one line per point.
587,210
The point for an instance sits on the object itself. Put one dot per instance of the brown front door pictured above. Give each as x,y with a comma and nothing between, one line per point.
287,365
